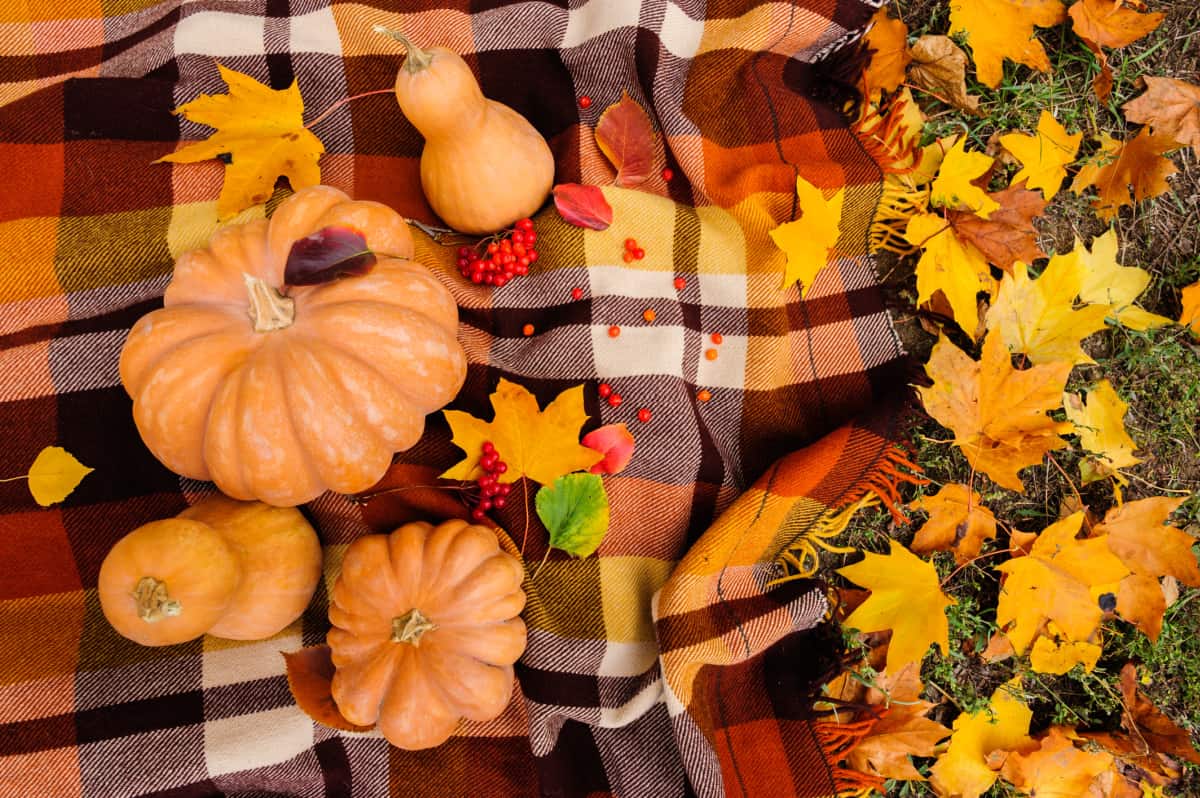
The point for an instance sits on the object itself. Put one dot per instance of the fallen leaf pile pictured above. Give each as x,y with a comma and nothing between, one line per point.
1013,323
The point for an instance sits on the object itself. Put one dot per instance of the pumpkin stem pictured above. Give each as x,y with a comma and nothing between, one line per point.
153,601
409,627
418,59
269,309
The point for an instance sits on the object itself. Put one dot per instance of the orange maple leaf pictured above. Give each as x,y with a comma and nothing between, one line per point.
1057,767
1111,23
1118,166
1008,235
998,414
1000,29
1170,107
902,728
957,520
888,42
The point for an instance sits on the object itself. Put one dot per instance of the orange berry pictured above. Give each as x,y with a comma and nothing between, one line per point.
628,257
527,330
704,395
649,315
614,331
711,354
717,338
680,283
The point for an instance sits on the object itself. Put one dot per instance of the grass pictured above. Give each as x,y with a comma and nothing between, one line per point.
1156,372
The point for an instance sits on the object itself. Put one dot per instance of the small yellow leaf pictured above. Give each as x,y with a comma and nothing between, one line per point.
906,598
950,265
1190,316
55,473
1044,156
261,131
1106,282
1038,317
1057,656
1098,417
954,187
808,241
1003,725
539,444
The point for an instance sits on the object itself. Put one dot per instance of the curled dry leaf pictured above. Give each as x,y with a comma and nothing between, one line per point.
939,66
1170,107
310,675
626,137
615,442
583,206
327,255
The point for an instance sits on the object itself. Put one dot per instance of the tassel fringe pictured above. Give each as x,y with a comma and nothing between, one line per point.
839,739
802,559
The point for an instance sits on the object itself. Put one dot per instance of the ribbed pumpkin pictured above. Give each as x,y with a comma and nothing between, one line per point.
484,166
239,570
279,393
425,630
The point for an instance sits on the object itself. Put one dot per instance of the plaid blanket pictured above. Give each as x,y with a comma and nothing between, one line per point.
671,663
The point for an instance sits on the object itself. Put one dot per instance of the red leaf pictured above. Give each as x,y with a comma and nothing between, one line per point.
583,206
626,137
615,442
310,677
326,255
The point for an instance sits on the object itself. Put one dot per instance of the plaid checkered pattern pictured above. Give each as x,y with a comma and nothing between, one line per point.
665,665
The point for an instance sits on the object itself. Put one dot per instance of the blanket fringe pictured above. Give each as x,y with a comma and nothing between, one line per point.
802,558
837,740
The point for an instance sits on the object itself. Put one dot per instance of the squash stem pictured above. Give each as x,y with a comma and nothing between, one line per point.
409,627
418,59
153,601
269,309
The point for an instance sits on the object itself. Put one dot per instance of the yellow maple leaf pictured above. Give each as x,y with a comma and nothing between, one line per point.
906,598
1060,580
808,241
997,413
1190,315
539,444
957,520
1098,416
1038,318
55,473
953,186
1003,725
1054,654
950,265
1044,156
261,132
1106,282
1000,29
1056,767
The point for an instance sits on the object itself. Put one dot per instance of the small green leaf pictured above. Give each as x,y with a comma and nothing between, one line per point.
575,511
54,474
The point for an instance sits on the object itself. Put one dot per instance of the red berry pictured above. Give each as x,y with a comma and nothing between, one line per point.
667,174
614,331
501,280
503,489
533,256
525,224
477,277
500,468
488,461
576,293
485,505
530,235
463,263
639,253
614,400
506,246
627,257
585,101
493,248
521,269
499,502
644,415
630,244
478,515
604,389
488,447
518,250
464,252
680,283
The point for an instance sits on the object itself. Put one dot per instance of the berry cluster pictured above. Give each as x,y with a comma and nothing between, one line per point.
505,256
632,251
491,492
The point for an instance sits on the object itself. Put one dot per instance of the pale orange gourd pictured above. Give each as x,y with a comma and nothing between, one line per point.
472,144
281,397
425,630
238,570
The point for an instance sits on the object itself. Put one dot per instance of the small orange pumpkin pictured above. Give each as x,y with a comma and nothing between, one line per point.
425,630
280,394
239,570
471,143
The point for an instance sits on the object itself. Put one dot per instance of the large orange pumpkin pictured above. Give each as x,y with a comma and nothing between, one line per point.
279,393
425,630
